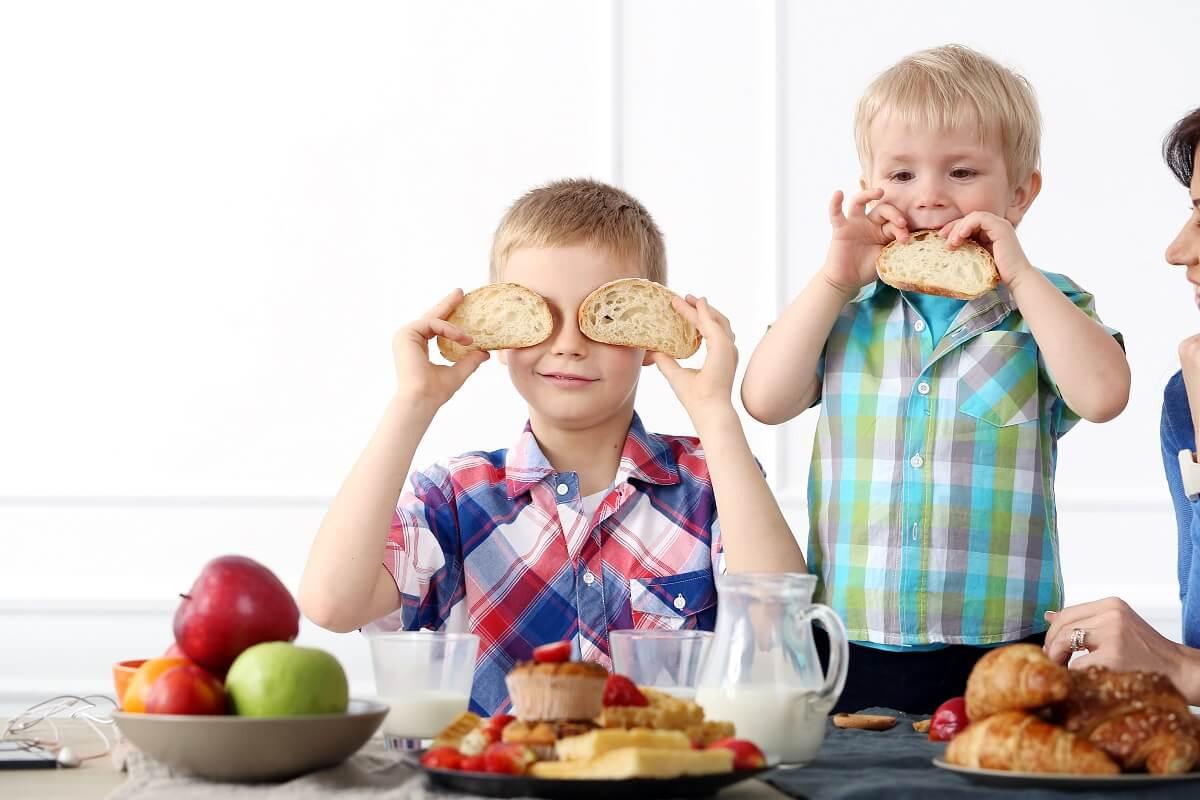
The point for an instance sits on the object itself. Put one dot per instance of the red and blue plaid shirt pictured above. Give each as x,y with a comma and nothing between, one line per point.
496,543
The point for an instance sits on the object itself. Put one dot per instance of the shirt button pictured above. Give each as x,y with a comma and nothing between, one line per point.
563,489
589,578
919,326
680,602
916,461
923,387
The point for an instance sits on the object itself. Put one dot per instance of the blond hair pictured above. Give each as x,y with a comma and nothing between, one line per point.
582,211
949,87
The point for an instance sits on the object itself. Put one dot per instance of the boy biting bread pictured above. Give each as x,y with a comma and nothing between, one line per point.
931,492
588,523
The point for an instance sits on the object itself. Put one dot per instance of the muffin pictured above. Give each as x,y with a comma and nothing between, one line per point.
568,690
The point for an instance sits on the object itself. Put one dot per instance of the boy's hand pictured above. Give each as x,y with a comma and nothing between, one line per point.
858,238
421,380
709,388
997,235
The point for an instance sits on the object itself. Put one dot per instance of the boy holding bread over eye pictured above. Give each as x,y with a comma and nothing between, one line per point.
947,367
589,523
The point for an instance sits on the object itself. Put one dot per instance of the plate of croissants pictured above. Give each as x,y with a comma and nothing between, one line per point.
1033,721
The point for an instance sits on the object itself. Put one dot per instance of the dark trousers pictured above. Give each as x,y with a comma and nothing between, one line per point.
916,683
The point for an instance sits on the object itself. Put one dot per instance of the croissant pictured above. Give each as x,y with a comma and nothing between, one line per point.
1139,718
1016,677
1020,742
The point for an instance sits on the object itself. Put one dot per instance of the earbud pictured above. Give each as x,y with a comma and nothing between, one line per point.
67,758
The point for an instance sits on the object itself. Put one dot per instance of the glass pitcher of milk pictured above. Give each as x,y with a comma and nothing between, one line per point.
762,671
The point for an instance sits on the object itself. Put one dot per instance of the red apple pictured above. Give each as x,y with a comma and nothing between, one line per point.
235,603
174,651
186,690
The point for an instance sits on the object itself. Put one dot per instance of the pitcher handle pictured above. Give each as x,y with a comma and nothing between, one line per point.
839,652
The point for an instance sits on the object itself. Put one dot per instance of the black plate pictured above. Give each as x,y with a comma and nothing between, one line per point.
490,785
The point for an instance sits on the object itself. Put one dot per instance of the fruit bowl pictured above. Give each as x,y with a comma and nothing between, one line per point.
230,748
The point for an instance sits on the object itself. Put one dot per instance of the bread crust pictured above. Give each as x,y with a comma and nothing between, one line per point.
541,323
968,247
689,347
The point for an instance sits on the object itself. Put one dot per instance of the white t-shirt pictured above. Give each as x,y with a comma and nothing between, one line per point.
592,502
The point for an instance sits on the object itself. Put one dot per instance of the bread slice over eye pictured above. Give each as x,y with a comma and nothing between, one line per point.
635,312
498,316
924,264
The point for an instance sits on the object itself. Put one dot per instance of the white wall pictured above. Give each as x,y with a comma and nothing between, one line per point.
212,216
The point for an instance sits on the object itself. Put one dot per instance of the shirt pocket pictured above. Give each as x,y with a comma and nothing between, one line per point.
673,602
998,378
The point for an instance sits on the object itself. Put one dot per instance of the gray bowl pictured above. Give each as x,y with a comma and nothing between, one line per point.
252,748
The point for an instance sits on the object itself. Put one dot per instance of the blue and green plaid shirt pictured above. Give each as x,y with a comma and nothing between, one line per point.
931,493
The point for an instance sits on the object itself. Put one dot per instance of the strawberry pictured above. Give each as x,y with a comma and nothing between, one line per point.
498,723
442,758
948,720
746,754
507,759
620,691
473,764
554,653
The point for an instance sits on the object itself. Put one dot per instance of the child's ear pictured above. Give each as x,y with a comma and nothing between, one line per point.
1023,197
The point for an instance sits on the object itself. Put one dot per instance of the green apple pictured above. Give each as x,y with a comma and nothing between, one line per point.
280,679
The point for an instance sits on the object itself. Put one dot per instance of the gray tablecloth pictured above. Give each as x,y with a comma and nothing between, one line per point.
897,764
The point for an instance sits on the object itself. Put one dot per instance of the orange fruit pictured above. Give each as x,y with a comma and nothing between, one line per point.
139,686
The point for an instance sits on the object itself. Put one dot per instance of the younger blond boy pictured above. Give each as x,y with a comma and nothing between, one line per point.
931,493
589,523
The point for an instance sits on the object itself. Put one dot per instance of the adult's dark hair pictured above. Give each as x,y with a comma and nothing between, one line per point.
1179,148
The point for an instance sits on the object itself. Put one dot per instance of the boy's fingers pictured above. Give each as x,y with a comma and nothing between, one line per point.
687,309
835,208
668,366
466,365
447,304
858,204
439,327
714,318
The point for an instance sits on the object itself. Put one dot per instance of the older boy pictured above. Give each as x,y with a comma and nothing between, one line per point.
931,494
588,523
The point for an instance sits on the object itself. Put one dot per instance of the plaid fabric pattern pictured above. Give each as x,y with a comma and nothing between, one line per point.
931,493
496,543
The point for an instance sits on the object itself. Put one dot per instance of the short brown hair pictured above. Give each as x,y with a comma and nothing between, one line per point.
1179,148
582,211
947,87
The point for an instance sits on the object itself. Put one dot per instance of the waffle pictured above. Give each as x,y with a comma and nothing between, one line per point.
452,735
664,712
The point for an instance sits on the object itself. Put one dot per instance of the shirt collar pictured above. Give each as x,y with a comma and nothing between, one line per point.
985,301
645,457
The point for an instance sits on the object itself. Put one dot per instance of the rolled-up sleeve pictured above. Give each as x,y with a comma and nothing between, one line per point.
423,553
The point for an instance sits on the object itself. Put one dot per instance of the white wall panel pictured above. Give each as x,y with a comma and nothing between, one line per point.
213,218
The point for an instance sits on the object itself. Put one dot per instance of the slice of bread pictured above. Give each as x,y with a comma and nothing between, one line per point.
925,265
498,316
635,312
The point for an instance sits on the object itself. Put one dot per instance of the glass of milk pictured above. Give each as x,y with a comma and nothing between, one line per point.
668,661
425,678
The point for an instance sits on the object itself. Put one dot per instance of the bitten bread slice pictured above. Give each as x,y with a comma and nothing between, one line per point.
924,264
635,312
498,316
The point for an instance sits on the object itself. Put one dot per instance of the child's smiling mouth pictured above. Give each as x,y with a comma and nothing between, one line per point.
567,380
